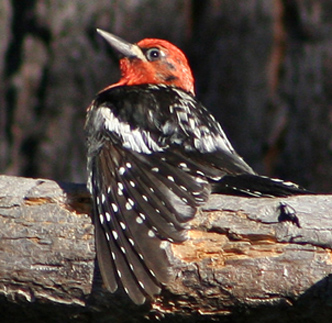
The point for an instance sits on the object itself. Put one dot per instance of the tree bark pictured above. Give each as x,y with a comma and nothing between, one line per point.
239,264
263,67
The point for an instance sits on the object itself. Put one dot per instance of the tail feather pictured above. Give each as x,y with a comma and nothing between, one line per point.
257,186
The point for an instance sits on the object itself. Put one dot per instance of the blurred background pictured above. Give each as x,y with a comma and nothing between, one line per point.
263,67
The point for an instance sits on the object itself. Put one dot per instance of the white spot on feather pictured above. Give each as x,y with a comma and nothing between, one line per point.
131,241
115,207
115,234
101,218
151,234
128,165
141,284
103,198
120,189
132,183
200,180
108,216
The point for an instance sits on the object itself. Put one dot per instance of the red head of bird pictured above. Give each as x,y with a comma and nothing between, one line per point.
151,61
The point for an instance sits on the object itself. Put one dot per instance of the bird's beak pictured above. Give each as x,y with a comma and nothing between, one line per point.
121,46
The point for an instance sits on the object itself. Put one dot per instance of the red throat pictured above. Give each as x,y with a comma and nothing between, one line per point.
171,69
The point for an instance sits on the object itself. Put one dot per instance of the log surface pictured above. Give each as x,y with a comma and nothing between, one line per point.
240,263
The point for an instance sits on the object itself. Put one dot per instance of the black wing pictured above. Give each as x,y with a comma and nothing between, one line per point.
143,196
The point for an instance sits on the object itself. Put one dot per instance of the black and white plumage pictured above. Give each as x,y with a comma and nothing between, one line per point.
154,156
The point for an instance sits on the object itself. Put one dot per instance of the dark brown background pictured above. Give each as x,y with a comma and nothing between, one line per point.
263,67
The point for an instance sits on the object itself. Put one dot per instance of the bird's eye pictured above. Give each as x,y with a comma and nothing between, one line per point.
153,54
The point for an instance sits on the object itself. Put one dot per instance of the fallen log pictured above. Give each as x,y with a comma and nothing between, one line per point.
241,263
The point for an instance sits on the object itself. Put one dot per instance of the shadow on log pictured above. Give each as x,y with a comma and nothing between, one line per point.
240,264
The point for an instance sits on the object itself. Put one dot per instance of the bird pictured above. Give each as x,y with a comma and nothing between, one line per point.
155,154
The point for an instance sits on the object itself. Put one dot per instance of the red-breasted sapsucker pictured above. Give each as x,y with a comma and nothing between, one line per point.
155,154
